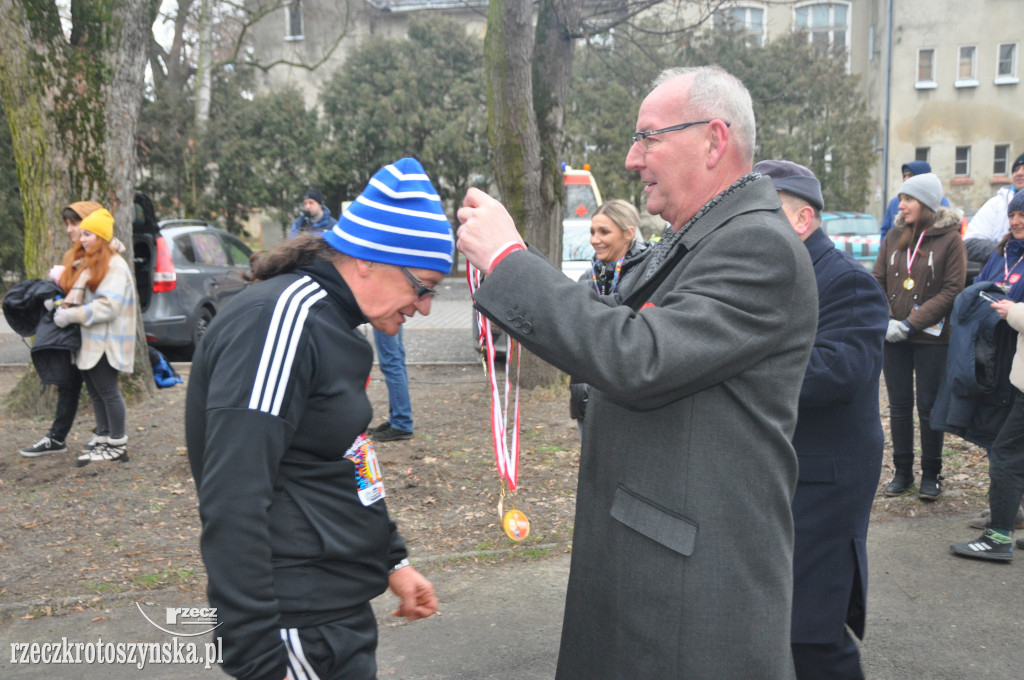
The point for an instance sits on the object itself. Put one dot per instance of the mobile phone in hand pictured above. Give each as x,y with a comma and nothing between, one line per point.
985,296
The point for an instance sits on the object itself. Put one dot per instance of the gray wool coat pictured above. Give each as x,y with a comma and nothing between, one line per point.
683,541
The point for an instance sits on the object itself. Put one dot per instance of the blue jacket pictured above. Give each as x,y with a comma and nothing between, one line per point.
994,269
838,442
302,223
918,168
974,397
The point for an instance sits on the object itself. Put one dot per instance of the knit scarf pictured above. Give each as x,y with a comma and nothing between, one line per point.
670,238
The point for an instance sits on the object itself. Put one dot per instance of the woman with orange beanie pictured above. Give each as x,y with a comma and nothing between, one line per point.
101,299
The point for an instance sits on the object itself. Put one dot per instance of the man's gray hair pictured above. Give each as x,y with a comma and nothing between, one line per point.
716,93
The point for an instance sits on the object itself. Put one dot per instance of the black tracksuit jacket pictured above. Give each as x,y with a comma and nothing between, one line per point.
276,396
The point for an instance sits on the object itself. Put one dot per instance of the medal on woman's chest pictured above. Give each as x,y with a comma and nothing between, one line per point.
908,282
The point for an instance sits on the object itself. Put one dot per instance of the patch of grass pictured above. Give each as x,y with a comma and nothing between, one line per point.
164,578
100,588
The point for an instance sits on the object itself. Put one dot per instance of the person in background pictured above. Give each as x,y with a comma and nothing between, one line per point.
682,559
296,535
1005,268
990,224
101,299
909,170
921,267
391,357
618,248
1006,457
68,391
838,442
315,217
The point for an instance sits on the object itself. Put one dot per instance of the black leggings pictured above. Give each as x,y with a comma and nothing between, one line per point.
102,382
67,405
1006,467
905,364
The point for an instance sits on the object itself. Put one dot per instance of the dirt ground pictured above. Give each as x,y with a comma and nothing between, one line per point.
76,538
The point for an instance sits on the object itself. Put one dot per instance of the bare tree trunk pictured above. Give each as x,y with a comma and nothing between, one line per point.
204,67
73,104
527,88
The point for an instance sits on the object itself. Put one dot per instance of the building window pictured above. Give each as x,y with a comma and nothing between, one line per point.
293,12
827,24
962,165
747,19
1001,160
1006,64
921,153
966,69
926,69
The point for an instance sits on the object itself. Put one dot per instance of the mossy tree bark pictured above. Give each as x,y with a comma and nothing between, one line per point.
528,75
72,98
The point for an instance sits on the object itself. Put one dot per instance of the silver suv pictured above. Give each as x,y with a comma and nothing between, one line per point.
185,270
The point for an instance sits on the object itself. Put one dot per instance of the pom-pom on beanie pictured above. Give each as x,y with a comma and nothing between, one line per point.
926,188
1016,202
99,222
398,219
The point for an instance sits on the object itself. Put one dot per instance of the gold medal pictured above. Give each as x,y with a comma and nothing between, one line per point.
516,525
908,283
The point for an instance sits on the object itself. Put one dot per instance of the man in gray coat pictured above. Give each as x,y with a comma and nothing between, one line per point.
683,542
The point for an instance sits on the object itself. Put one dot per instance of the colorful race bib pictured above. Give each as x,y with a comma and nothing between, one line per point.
368,477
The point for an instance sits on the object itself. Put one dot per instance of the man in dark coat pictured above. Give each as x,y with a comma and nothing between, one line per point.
838,442
682,547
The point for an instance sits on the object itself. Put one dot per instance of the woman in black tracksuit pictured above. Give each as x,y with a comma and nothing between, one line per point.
296,534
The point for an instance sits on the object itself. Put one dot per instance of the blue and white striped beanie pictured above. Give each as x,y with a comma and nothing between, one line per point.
398,219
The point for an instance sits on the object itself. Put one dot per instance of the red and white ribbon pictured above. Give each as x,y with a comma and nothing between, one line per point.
506,442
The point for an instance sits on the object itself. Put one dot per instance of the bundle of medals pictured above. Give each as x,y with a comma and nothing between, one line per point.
506,439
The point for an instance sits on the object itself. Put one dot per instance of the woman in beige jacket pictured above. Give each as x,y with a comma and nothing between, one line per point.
922,266
101,299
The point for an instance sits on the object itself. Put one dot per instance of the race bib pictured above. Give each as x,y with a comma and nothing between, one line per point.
368,477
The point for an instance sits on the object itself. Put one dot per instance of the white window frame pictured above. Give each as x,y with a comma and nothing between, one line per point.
925,84
1006,159
972,79
927,154
956,161
831,28
761,35
289,7
1010,78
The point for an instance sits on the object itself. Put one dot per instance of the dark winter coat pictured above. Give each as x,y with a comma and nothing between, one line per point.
579,392
26,314
682,563
304,224
838,442
939,272
1010,261
974,398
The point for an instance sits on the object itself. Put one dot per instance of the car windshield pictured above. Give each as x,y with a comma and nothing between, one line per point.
852,226
576,241
580,202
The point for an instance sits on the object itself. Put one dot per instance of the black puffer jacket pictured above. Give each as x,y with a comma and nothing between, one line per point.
26,314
